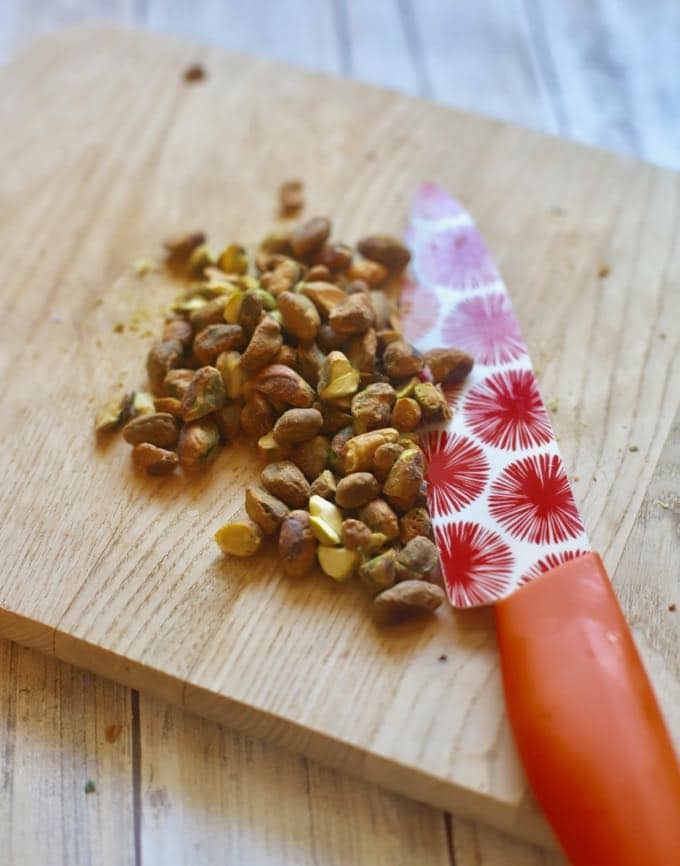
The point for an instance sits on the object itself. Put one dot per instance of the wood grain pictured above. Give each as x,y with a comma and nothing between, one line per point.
607,67
122,570
53,739
205,792
210,795
600,72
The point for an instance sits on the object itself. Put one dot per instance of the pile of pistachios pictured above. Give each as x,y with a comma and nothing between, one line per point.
299,349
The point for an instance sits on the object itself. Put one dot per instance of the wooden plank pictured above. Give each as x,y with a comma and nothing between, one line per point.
22,22
123,569
292,30
210,796
648,586
479,846
611,68
380,51
53,739
480,57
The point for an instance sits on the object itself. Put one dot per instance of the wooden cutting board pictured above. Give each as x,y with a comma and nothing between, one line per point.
105,151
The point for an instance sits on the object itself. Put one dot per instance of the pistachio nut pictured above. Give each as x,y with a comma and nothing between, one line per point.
338,562
307,238
402,485
154,460
285,481
266,510
198,444
297,545
204,395
240,538
158,428
406,600
356,489
300,316
337,377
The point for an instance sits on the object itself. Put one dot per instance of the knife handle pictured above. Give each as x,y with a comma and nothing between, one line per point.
587,725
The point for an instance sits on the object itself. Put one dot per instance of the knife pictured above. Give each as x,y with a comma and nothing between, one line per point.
586,722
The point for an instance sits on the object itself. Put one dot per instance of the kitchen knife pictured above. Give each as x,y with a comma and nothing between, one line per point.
585,719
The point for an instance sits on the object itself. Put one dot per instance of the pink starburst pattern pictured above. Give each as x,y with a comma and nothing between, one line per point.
456,471
550,560
431,202
532,500
476,563
419,310
486,328
506,411
455,257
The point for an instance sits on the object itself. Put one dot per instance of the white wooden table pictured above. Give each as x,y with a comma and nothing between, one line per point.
169,788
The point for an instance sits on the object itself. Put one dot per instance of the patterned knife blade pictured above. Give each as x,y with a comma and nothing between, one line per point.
502,507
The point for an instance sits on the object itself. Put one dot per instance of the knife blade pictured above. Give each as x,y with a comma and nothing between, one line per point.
585,719
502,507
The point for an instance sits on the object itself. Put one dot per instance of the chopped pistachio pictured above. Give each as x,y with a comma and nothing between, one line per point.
229,365
337,377
241,538
114,413
233,259
232,309
324,532
322,508
338,562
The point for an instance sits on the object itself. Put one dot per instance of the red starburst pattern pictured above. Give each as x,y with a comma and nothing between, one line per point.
456,471
532,500
506,411
419,310
454,257
486,328
476,563
550,560
431,202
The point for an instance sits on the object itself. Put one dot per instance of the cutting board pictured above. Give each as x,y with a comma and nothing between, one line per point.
105,151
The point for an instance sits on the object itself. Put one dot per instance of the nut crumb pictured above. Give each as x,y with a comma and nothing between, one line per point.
194,73
672,607
143,267
603,271
291,197
118,328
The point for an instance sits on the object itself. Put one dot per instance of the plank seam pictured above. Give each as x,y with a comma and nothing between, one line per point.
136,776
546,63
415,47
448,830
341,20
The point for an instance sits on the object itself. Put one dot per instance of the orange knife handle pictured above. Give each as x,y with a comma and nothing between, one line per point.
586,722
